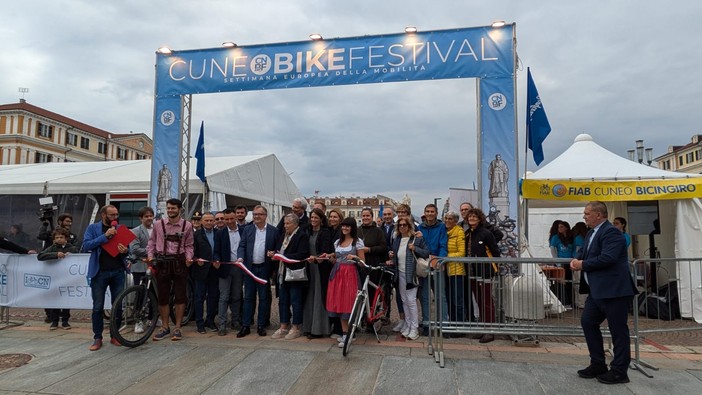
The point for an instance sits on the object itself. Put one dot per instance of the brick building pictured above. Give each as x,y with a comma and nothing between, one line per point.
352,206
683,158
31,134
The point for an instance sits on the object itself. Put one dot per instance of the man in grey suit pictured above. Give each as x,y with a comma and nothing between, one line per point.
137,250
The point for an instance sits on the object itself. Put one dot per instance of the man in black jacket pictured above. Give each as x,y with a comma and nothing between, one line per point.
204,276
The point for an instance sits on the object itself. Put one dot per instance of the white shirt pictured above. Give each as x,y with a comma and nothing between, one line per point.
259,250
402,254
234,239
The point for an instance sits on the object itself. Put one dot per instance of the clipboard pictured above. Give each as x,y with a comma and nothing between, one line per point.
124,236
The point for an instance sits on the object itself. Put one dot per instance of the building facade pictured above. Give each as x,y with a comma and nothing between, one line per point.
683,158
31,134
352,206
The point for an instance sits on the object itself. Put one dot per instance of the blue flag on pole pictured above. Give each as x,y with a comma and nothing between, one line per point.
537,126
200,154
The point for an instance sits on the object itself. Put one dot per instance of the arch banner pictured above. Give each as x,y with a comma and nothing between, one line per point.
486,53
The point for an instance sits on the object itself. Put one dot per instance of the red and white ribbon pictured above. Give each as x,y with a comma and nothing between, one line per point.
241,266
284,259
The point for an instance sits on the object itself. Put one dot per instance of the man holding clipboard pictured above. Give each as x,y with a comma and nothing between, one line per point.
107,243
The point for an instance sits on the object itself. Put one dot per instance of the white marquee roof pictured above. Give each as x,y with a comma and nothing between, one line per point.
256,177
586,160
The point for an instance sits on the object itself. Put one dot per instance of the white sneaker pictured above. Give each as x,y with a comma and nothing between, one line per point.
342,340
406,331
399,326
159,323
138,327
413,334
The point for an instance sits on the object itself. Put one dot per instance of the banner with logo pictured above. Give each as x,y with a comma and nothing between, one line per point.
455,53
498,155
485,53
165,164
609,191
26,282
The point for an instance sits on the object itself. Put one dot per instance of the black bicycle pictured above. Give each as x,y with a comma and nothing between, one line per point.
137,307
135,311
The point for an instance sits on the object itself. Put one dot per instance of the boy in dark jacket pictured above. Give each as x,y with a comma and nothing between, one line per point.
58,250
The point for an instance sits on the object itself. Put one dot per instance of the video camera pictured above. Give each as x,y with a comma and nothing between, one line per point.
47,209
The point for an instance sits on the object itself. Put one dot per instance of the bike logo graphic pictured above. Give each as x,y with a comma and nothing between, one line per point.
167,118
37,281
260,64
497,101
559,190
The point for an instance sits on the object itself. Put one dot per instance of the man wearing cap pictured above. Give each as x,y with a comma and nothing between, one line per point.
195,221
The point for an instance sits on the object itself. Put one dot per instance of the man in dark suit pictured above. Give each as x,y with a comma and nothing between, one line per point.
606,277
258,240
205,276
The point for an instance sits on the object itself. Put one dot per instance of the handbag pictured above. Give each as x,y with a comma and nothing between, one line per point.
292,275
422,266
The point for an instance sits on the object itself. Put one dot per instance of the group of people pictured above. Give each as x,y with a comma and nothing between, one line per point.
314,261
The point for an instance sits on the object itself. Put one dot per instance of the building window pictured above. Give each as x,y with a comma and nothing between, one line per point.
102,148
697,155
84,143
71,139
40,157
44,130
689,157
680,160
121,153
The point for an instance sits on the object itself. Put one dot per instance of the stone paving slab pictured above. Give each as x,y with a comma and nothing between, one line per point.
123,368
264,372
410,376
331,373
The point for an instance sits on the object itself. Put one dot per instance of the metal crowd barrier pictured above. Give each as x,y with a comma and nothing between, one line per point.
530,297
669,303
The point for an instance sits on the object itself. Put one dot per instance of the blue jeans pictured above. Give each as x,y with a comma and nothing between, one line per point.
209,287
290,295
425,297
114,279
251,288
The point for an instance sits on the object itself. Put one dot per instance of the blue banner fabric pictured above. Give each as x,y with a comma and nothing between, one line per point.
200,154
537,125
165,164
455,53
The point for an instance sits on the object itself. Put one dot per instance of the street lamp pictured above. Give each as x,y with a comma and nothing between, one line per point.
436,200
640,150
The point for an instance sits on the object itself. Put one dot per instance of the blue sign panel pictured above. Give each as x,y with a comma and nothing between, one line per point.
457,53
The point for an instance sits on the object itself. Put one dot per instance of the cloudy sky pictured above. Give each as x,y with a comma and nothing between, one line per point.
619,71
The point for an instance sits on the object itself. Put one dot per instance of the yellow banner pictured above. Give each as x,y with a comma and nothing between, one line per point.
684,188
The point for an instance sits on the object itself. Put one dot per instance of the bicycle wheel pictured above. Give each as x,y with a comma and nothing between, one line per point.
354,321
189,304
133,308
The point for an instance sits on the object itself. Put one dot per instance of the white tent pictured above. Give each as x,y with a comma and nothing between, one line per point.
259,178
587,171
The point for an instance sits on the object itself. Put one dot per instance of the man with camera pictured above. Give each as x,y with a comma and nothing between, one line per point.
64,221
